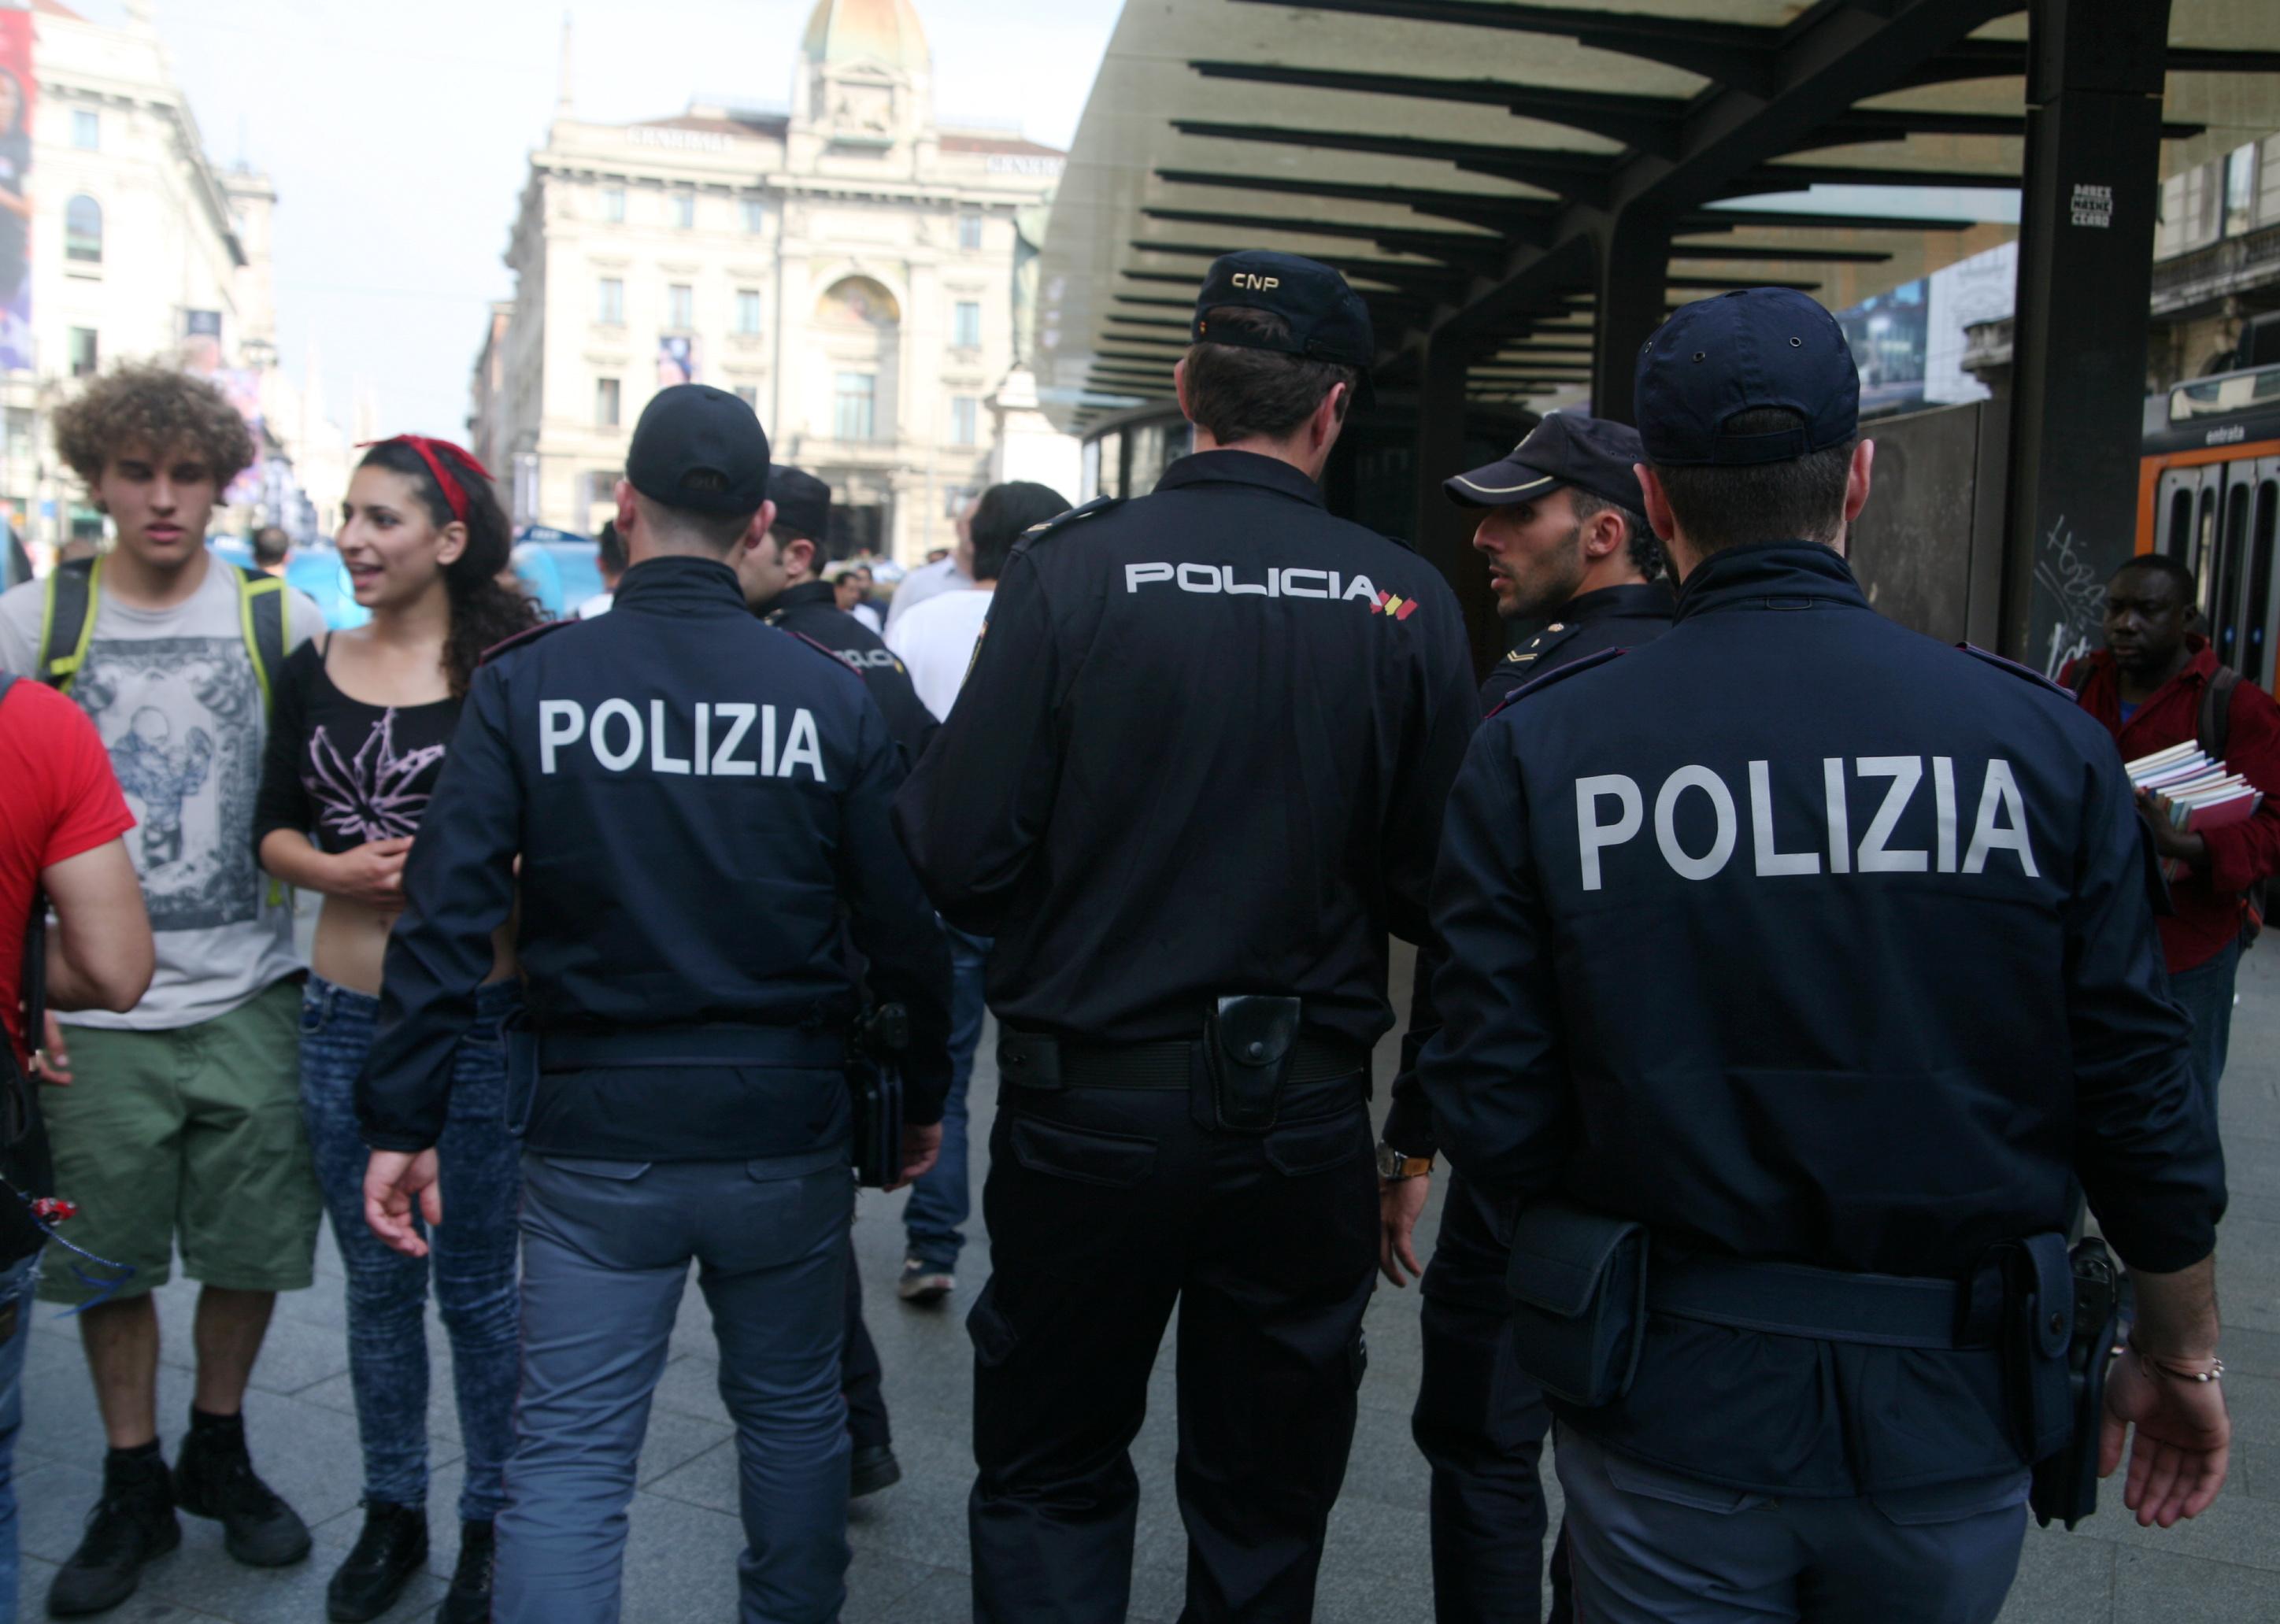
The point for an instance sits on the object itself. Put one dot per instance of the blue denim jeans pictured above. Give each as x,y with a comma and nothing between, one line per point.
940,1201
2206,990
473,1253
15,1281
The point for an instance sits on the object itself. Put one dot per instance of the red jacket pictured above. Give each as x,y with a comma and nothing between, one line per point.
2208,900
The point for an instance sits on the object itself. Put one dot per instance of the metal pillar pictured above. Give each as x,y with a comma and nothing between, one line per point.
1443,532
2085,280
1633,276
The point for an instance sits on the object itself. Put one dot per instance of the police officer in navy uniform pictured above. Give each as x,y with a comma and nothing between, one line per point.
1566,543
698,800
1195,776
1824,955
782,583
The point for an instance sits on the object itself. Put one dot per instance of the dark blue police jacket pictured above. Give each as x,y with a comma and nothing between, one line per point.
1798,936
811,609
694,796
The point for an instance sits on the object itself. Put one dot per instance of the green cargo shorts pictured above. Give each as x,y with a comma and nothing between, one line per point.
195,1132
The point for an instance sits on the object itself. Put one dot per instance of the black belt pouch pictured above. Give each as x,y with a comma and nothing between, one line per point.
2066,1483
876,1093
1248,1045
1577,1280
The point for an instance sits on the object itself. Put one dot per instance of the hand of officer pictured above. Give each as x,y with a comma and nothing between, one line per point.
922,1146
2183,1442
53,1062
2169,840
1400,1204
371,874
392,1180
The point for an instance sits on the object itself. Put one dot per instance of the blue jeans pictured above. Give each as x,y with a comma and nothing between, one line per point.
471,1254
2206,990
940,1201
15,1282
606,1248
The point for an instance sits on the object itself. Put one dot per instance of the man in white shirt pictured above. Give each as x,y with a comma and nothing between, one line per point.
935,642
939,575
610,564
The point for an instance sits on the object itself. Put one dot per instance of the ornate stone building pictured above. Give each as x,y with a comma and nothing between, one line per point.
850,267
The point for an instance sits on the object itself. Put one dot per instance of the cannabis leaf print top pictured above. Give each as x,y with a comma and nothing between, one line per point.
342,772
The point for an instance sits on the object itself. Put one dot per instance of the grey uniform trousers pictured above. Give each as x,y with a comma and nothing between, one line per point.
607,1249
1651,1547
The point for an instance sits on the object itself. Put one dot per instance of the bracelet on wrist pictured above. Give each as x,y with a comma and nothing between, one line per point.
2152,1366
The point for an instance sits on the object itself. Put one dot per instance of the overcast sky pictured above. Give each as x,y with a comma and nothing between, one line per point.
398,134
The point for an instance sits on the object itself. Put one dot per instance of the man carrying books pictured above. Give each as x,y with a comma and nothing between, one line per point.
2157,687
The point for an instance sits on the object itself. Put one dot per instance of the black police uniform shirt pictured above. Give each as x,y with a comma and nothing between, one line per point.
1796,935
1202,750
1621,617
696,798
811,609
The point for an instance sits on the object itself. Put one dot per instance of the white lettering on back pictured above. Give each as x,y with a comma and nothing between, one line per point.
660,759
604,713
1666,822
1772,861
1905,772
1943,798
801,747
1840,837
725,762
2001,792
1595,836
561,721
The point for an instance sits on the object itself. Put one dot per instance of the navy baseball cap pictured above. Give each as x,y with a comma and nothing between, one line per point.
1326,319
1753,348
694,429
1565,449
803,502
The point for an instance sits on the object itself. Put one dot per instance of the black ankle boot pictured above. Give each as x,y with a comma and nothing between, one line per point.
392,1548
132,1522
215,1477
469,1599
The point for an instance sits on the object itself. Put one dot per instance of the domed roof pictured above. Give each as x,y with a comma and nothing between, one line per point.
882,31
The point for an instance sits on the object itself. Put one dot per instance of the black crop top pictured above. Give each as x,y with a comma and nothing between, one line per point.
342,772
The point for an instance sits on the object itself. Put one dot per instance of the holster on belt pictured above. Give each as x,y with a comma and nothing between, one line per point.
2065,1481
874,1087
1249,1039
2033,1281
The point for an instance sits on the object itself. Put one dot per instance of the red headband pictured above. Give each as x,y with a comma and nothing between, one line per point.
455,495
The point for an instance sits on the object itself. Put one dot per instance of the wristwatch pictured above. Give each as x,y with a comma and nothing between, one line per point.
1391,1164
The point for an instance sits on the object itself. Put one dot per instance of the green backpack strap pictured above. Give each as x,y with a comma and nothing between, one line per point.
67,620
261,615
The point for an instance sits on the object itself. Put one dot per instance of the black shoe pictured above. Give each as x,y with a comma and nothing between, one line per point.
871,1468
132,1522
215,1477
469,1599
391,1548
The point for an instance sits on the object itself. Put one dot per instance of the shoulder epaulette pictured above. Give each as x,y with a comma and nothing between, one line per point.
833,655
1404,542
520,639
1558,673
1037,533
1550,638
2015,668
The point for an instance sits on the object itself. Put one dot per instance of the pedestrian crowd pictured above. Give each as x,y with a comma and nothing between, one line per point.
1791,990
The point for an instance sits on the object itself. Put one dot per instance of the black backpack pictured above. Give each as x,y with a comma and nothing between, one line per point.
2211,733
26,1169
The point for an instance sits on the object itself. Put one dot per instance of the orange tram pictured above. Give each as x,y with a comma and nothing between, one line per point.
2209,496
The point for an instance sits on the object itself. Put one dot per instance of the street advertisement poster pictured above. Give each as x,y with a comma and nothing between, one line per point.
677,360
242,387
16,90
1980,289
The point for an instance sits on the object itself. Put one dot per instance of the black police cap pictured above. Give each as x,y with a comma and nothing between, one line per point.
695,429
1741,352
803,500
1565,449
1327,319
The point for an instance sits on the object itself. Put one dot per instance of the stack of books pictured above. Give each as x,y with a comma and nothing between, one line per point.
2202,794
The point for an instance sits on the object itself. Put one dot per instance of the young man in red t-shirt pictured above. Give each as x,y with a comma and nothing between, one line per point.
61,818
2148,686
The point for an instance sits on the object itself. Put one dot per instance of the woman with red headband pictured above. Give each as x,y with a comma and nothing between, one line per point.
356,739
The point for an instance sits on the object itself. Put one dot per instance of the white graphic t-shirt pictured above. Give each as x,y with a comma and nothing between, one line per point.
173,694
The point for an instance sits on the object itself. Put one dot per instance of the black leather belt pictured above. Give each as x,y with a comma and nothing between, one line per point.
1032,1060
1794,1299
720,1044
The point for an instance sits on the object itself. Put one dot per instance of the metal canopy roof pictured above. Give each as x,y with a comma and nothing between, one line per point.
1468,163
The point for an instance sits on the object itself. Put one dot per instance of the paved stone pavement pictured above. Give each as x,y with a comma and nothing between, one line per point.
910,1542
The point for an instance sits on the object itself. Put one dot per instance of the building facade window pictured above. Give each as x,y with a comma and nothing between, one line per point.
748,311
756,215
2240,191
613,204
854,394
610,302
969,231
964,419
684,210
86,354
86,130
607,399
83,231
966,325
680,307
